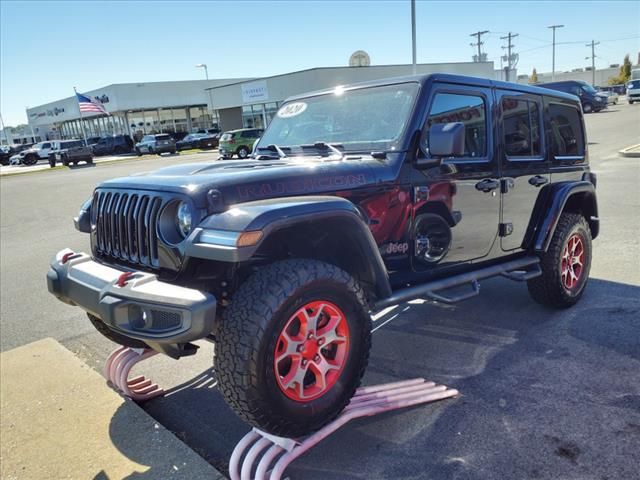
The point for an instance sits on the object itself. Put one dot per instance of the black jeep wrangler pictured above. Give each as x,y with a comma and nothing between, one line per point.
355,199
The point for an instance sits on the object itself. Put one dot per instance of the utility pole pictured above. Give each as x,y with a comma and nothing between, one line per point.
593,61
413,35
479,43
509,47
553,54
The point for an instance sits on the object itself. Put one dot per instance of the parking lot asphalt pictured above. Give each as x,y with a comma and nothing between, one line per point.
544,394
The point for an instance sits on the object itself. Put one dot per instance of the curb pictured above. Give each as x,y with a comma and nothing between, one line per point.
631,152
99,162
61,420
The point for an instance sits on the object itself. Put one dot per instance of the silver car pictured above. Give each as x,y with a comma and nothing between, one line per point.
159,143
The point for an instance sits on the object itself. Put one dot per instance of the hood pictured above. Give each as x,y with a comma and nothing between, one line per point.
245,180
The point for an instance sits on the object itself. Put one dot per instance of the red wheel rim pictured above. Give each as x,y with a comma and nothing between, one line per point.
572,262
311,351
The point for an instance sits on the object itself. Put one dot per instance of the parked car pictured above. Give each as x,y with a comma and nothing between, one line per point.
6,152
198,140
114,145
396,189
633,91
30,156
611,96
159,143
239,142
589,98
93,140
70,152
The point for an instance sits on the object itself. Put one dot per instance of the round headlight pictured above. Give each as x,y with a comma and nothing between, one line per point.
183,219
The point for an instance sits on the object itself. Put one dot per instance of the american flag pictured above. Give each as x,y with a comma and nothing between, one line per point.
90,105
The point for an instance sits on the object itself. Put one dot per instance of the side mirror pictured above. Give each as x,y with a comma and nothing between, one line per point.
447,139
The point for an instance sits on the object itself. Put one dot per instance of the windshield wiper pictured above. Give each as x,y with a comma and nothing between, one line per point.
326,146
277,149
273,148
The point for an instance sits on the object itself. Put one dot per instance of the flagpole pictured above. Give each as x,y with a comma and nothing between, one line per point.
84,133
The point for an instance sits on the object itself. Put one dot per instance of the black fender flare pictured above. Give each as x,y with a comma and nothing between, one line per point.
271,215
581,196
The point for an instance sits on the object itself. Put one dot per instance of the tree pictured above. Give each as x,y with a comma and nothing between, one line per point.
625,69
625,73
534,77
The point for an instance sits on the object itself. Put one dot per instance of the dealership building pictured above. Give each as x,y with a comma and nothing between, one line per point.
137,109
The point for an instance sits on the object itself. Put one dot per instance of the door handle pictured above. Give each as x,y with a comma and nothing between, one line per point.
487,185
538,180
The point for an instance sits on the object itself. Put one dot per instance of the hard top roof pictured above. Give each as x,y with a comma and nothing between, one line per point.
448,78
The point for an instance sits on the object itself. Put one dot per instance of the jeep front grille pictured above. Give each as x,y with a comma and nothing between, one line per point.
126,226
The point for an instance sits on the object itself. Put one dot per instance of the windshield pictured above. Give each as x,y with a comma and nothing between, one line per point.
364,119
589,89
634,84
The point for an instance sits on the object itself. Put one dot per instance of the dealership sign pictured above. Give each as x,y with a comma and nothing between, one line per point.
254,92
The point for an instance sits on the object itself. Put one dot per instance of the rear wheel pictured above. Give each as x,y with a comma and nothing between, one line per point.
565,265
243,152
115,336
293,346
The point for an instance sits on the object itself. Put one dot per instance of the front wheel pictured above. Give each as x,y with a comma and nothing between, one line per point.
293,346
587,108
138,152
30,159
565,265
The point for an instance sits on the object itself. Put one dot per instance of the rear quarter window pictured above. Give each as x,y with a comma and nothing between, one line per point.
566,131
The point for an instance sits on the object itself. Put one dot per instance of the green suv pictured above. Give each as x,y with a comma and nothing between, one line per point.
239,142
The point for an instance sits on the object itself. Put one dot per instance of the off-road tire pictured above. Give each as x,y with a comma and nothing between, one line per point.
548,288
248,333
115,336
31,159
65,160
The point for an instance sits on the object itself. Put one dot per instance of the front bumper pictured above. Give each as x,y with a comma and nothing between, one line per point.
142,307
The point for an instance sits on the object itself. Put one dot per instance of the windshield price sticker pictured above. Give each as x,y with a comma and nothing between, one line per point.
292,109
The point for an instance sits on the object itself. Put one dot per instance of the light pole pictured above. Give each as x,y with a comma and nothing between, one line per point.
206,75
413,36
553,54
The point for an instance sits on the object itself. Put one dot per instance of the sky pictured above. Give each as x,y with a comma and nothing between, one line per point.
47,48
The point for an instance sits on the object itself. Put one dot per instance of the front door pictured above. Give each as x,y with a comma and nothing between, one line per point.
463,189
525,169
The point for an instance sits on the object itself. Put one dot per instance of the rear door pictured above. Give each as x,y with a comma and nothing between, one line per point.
525,167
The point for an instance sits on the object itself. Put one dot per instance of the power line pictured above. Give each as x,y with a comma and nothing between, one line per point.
479,42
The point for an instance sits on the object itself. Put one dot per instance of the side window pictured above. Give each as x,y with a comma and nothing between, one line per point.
468,109
521,125
565,125
46,145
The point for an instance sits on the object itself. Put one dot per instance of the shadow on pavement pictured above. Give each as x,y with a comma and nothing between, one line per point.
544,394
